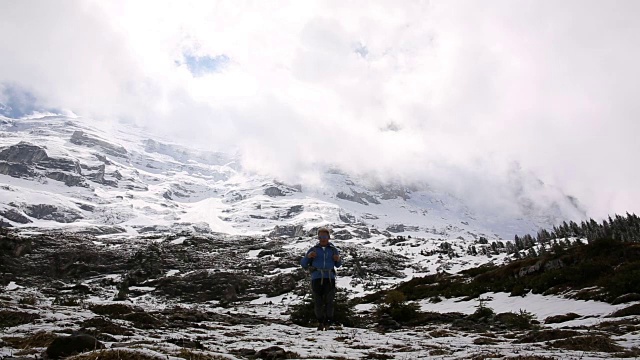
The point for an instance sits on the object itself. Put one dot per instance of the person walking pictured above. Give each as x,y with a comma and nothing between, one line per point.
321,261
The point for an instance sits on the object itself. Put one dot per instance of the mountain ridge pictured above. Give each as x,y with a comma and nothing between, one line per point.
130,180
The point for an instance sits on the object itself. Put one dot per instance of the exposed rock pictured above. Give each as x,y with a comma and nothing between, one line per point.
396,228
51,212
75,344
63,164
358,197
347,218
342,234
81,138
66,178
273,191
15,216
16,170
393,193
294,210
23,153
287,230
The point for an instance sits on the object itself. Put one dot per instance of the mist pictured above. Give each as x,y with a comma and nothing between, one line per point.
447,93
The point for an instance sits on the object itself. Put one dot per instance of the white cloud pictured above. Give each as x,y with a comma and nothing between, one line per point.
471,86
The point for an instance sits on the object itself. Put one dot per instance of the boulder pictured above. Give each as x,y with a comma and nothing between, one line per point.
75,344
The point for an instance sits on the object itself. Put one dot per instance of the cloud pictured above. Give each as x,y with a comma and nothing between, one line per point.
467,88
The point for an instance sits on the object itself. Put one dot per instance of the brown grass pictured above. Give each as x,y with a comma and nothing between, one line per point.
546,335
115,355
37,340
598,343
9,318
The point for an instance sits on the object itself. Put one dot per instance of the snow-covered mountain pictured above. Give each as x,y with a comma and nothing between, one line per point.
58,171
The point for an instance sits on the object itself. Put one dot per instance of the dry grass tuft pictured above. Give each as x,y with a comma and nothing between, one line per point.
37,340
598,343
115,355
546,335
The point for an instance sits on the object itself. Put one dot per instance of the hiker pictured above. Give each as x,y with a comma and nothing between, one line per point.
321,261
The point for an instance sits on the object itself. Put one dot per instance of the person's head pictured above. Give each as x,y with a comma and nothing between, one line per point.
323,236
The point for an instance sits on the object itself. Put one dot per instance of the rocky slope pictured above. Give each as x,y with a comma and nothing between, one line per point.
231,297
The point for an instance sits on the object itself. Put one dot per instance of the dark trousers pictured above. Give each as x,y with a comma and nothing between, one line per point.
324,291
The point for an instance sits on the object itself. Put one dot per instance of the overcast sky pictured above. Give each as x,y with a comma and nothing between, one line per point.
447,92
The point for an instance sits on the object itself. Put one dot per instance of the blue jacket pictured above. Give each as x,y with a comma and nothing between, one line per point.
323,262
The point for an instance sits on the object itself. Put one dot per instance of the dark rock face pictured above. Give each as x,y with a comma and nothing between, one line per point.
396,228
358,197
67,179
74,344
63,164
16,170
23,153
287,230
50,212
15,216
343,234
273,192
81,138
28,161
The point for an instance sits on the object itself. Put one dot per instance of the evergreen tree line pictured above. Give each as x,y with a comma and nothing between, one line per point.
563,236
621,228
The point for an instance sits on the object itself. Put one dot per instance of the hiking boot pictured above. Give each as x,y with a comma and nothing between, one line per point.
322,326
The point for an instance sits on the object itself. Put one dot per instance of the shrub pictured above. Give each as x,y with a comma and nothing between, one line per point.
303,314
523,320
395,305
588,343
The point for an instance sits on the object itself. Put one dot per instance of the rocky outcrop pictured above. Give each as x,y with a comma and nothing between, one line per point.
23,153
287,230
358,197
66,178
52,212
15,216
16,170
273,191
81,138
396,228
25,160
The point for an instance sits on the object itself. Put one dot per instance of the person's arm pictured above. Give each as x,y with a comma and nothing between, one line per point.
337,259
304,262
308,258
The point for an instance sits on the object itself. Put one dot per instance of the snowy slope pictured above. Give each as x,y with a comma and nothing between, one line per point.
99,175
